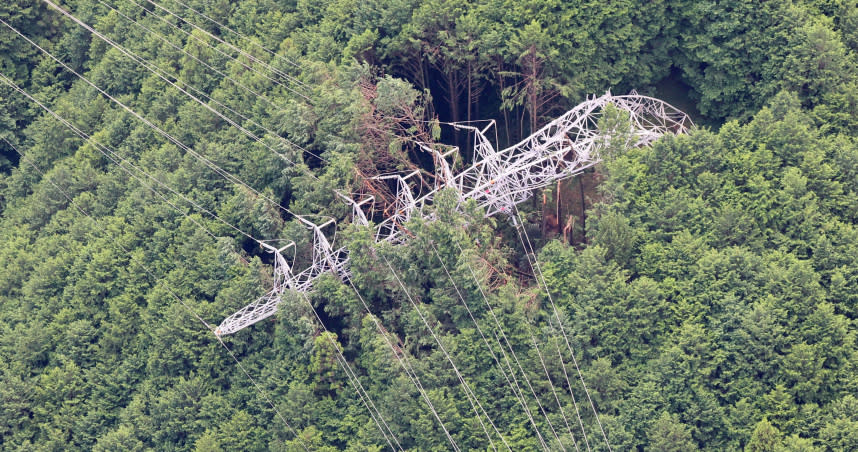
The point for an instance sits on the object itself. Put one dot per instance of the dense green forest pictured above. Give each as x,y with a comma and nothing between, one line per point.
708,283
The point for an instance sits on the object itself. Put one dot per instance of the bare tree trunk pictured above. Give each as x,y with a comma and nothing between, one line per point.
557,203
531,81
470,90
583,210
505,111
531,100
568,230
453,101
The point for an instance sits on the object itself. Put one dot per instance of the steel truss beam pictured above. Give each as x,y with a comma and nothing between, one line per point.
497,180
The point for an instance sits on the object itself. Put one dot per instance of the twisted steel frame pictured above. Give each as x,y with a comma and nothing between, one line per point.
496,180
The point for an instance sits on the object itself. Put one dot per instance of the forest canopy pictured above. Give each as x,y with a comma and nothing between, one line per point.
706,285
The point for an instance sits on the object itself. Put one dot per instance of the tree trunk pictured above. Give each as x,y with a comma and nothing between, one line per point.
557,204
532,91
470,91
453,102
583,210
505,111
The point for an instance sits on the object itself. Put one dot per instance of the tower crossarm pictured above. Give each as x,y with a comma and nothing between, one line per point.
324,260
266,305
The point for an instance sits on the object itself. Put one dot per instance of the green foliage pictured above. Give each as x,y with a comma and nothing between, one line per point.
668,434
766,438
712,306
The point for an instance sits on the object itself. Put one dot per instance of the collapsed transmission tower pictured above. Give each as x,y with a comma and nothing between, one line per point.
496,180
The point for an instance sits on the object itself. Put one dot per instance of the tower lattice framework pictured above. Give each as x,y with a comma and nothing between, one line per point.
496,180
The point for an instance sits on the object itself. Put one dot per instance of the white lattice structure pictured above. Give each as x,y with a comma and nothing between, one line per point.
497,180
266,305
324,259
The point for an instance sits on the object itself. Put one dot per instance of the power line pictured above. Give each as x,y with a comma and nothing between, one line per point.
123,163
515,388
217,169
409,370
554,307
235,82
343,362
506,340
164,76
468,391
270,52
149,272
349,372
240,51
572,393
553,391
536,347
213,166
538,271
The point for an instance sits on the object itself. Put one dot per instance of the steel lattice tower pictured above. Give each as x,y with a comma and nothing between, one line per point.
496,180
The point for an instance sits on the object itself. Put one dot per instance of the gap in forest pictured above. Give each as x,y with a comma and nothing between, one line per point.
674,90
423,159
333,323
567,206
486,106
9,159
251,248
490,101
311,159
285,201
443,108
